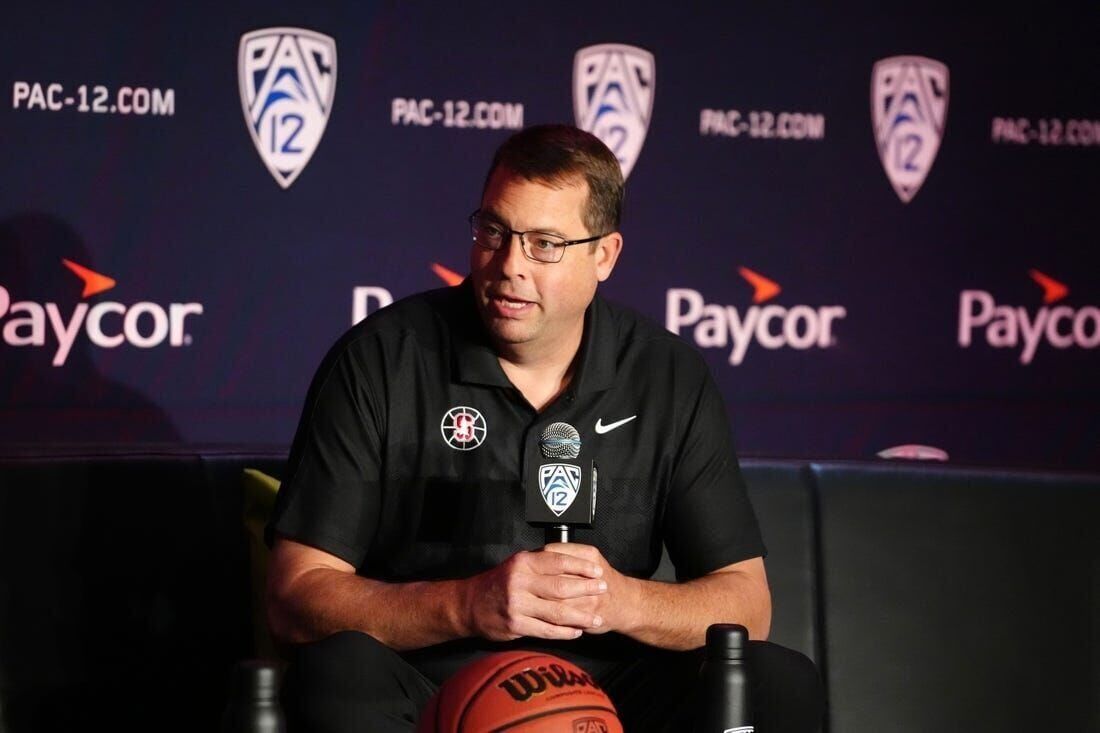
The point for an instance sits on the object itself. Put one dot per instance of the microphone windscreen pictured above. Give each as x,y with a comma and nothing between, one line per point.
560,440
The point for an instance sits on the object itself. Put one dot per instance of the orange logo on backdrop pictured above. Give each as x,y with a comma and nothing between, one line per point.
1053,291
93,282
450,277
763,288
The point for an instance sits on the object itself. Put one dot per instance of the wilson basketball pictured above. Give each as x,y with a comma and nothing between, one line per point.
520,692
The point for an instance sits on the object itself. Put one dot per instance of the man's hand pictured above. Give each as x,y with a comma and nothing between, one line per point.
548,594
613,607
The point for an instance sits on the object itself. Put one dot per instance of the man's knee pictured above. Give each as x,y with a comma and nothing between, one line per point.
787,688
348,661
352,682
774,660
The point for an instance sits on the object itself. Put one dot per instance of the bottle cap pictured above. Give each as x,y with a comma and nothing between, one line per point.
726,641
255,679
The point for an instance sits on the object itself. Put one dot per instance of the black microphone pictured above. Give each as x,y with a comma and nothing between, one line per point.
561,494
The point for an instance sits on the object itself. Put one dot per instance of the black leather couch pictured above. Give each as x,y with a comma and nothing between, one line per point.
932,597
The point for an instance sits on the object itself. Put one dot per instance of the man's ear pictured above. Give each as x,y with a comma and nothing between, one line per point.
607,254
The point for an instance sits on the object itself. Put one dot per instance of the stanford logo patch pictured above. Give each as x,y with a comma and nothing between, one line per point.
463,428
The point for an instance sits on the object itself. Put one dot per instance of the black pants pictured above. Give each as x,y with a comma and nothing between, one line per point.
351,683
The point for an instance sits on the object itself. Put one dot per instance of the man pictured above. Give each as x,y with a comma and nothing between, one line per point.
400,546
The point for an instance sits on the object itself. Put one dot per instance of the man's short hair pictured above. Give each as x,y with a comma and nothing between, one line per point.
557,155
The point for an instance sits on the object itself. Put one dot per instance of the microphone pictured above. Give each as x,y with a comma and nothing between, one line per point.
559,494
560,440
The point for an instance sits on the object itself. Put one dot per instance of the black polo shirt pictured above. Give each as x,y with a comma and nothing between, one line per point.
409,459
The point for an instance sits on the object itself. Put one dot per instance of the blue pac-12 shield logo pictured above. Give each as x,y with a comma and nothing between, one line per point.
908,111
613,86
288,80
559,484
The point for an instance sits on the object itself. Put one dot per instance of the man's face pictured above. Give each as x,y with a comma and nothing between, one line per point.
534,304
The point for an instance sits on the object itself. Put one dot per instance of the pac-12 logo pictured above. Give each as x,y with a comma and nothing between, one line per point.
908,111
288,80
559,484
613,86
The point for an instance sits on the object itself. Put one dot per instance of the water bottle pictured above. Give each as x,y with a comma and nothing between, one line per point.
254,699
724,682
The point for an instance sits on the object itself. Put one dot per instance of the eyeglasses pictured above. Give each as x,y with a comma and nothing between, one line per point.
537,246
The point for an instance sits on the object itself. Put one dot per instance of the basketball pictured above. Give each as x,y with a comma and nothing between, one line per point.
520,692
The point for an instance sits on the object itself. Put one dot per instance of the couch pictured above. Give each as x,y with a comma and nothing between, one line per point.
931,596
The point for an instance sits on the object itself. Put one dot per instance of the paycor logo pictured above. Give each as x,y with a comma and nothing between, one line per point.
363,297
107,324
1011,327
771,326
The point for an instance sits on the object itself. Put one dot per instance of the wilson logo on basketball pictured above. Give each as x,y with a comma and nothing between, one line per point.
519,691
524,685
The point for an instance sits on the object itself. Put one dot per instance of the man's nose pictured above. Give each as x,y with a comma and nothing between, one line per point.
513,261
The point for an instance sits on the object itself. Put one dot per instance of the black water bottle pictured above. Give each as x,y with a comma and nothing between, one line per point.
724,682
254,699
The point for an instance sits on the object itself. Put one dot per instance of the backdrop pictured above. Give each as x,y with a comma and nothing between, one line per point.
876,221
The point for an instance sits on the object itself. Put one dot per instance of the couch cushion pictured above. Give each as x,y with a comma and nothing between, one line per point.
959,599
780,492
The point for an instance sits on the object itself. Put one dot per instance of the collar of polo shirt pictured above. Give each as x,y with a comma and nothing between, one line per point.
475,362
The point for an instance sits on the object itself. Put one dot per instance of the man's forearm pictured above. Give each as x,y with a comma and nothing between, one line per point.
676,615
402,616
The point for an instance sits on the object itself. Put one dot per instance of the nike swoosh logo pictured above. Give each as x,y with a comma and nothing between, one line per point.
601,428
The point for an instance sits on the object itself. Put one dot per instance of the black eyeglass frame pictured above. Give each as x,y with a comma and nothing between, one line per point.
506,236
